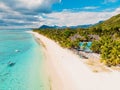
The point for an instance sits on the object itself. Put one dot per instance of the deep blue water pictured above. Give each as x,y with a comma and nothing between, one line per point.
21,62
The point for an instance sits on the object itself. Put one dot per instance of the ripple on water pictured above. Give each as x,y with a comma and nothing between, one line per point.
20,70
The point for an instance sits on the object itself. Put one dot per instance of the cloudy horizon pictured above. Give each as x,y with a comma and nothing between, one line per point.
34,13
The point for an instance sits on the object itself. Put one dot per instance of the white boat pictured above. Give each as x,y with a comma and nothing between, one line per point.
17,51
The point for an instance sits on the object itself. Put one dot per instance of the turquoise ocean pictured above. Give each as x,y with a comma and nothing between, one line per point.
21,62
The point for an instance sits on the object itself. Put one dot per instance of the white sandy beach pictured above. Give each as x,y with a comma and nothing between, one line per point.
66,71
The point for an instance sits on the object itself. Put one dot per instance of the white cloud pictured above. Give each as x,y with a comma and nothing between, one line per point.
117,11
77,18
30,4
19,12
90,7
3,6
32,13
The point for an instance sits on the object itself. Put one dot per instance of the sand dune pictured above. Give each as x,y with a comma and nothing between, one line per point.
66,71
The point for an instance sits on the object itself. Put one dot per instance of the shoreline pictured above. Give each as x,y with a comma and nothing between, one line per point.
46,75
48,67
66,71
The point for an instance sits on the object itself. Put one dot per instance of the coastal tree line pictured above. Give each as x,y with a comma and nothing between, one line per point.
105,42
105,38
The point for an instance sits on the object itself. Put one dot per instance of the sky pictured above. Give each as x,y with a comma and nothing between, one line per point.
34,13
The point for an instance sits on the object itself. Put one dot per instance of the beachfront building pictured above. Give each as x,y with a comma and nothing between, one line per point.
85,46
86,52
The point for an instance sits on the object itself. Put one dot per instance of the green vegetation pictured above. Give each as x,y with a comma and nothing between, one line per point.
105,39
109,49
67,38
112,23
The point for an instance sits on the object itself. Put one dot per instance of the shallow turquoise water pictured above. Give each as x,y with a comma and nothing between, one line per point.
21,62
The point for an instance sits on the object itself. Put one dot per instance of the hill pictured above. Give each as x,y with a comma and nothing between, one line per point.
105,38
46,26
113,22
62,27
